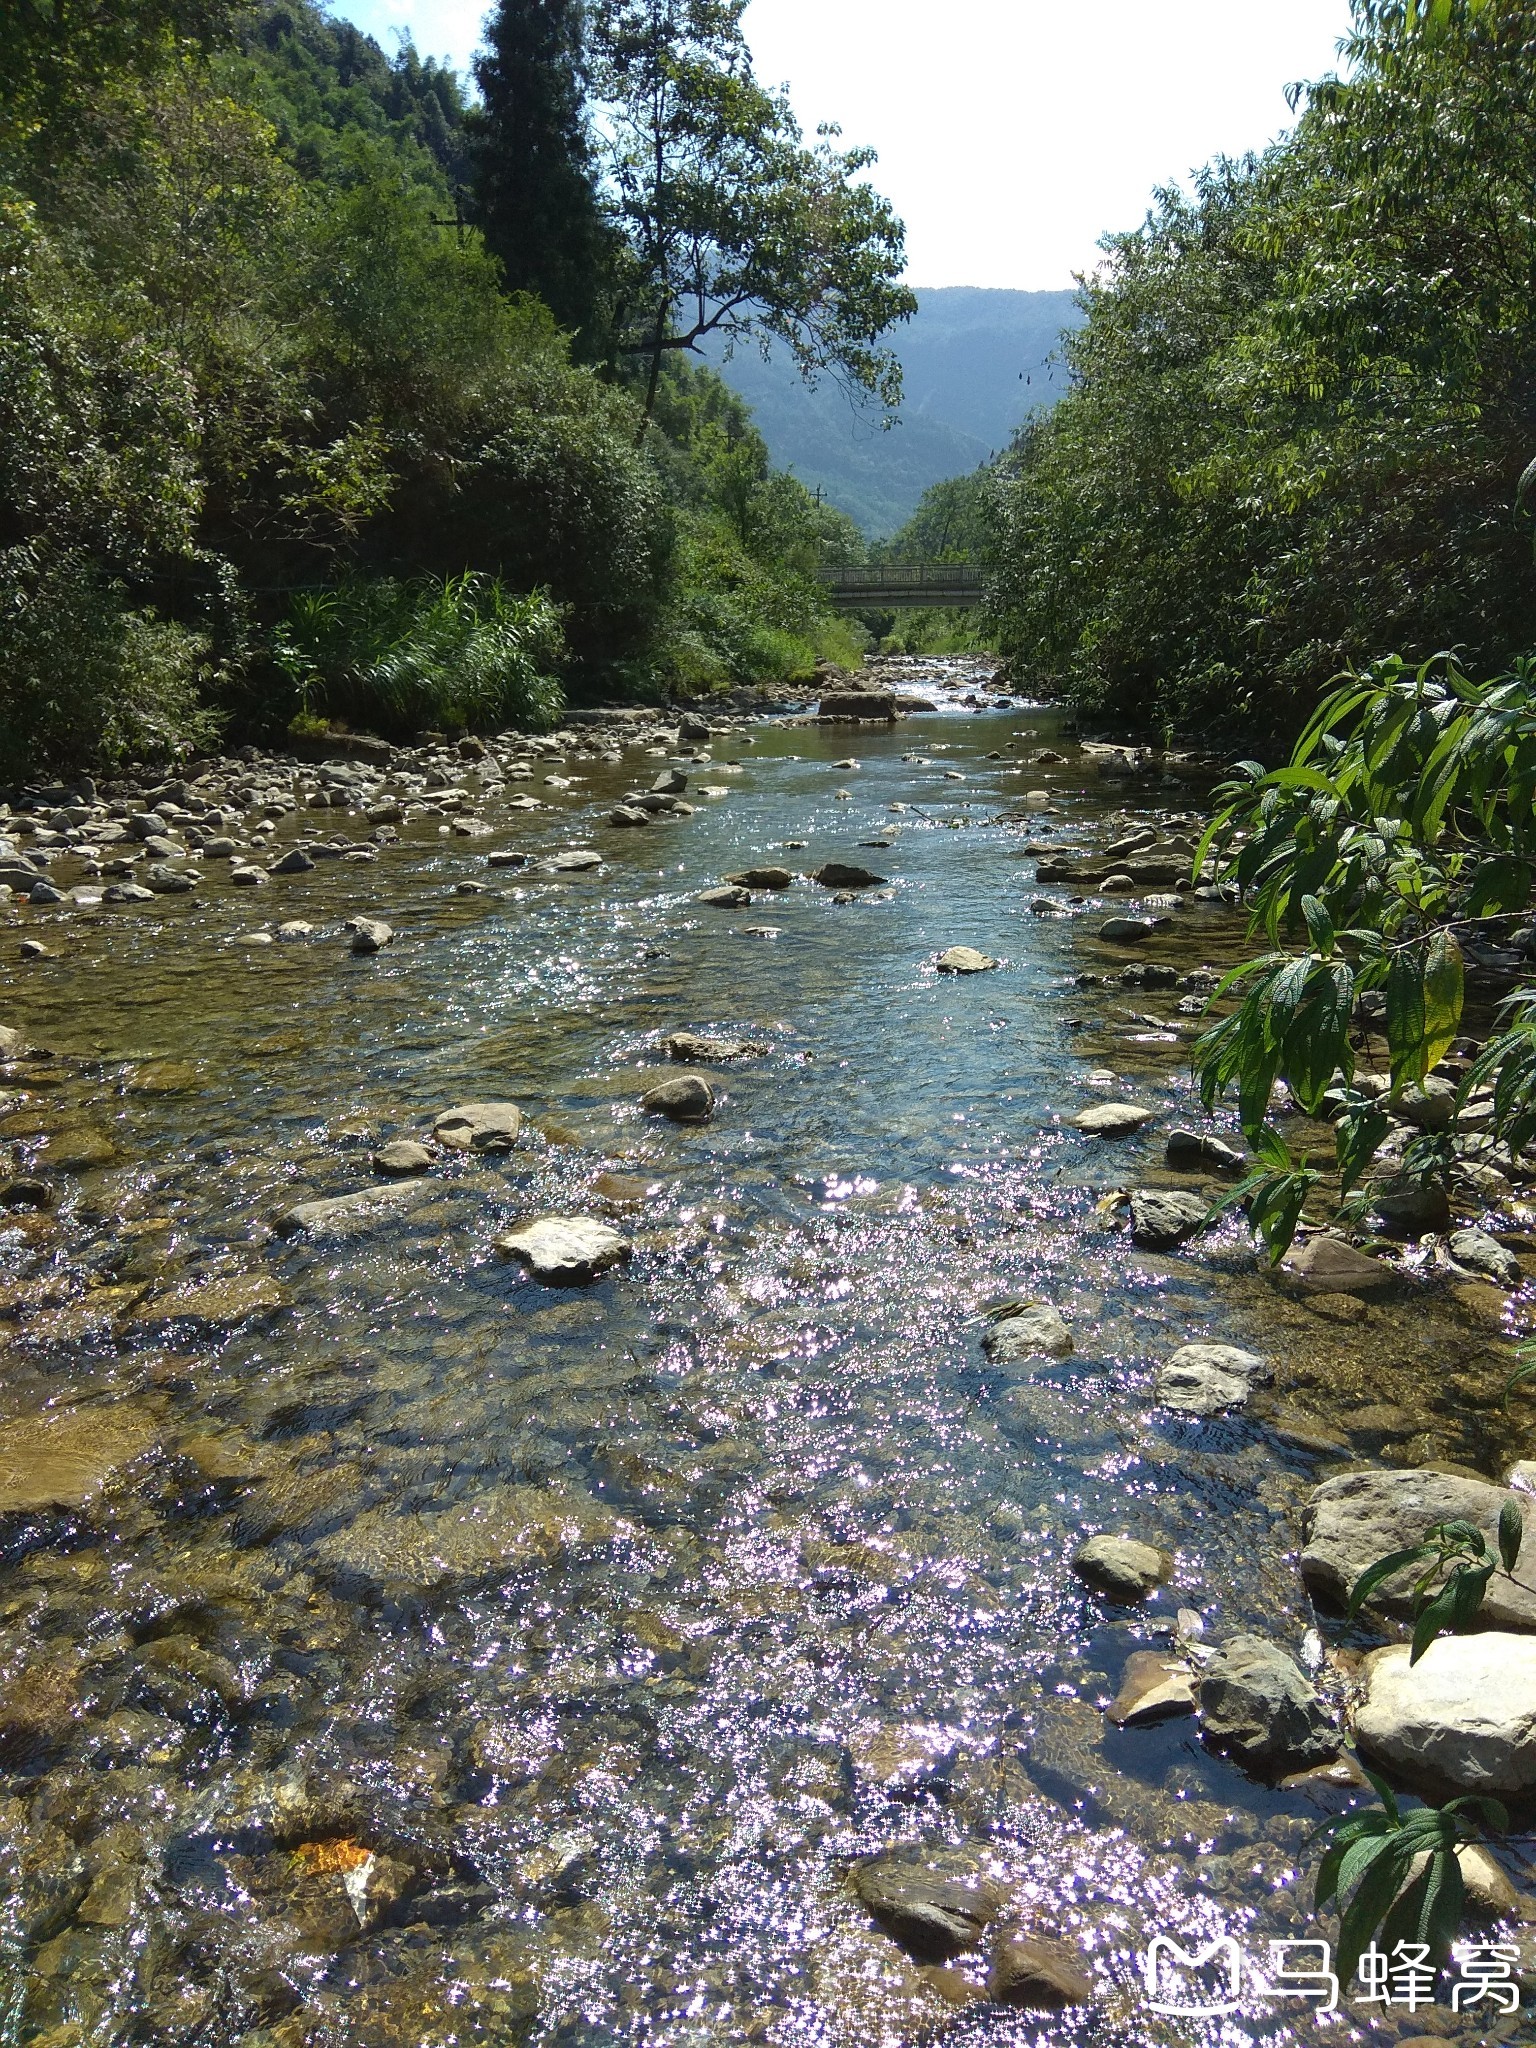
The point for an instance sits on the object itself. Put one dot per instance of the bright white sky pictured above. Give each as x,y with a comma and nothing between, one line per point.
1011,133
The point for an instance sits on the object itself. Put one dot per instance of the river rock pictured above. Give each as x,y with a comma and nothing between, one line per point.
932,1915
247,877
1042,1976
687,1047
565,1251
904,1761
479,1127
1032,1332
222,1302
688,1099
164,881
1205,1379
1480,1253
1463,1719
965,960
370,934
763,878
1351,1521
1196,1151
670,782
344,1214
1112,1119
1403,1203
728,897
628,814
62,1460
1258,1705
575,860
12,1043
295,862
402,1155
1121,1567
127,892
1326,1264
1431,1106
1125,931
1164,1217
1153,1687
839,874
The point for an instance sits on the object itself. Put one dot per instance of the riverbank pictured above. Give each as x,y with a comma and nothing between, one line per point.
396,1648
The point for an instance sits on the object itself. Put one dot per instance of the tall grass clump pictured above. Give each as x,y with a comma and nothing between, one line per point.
460,653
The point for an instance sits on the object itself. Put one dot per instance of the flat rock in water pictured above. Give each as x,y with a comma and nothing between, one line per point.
565,1251
1164,1217
1480,1253
1122,1567
1040,1976
370,934
342,1214
1112,1119
689,1046
1325,1264
1353,1520
628,814
688,1099
479,1127
965,960
838,874
1463,1719
62,1460
402,1155
903,1760
1195,1151
1125,931
1258,1705
1205,1379
1033,1332
1153,1687
932,1915
763,878
219,1303
576,860
729,897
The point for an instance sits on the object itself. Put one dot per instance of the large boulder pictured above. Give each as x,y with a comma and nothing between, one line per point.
1258,1705
1206,1379
1463,1719
1359,1517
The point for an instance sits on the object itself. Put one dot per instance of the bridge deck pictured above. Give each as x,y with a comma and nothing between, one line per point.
899,586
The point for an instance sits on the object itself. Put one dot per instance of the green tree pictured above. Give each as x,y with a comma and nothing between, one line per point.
732,225
535,194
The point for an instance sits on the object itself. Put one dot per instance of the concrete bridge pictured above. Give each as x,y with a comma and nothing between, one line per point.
904,586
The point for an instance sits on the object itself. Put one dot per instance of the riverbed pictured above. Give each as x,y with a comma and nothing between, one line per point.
446,1658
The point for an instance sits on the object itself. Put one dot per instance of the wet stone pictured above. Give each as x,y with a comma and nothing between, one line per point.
689,1047
479,1127
1325,1264
1112,1119
1122,1567
369,934
1196,1152
1206,1379
763,878
1042,1976
1163,1217
345,1214
565,1251
403,1155
1257,1704
1153,1688
64,1459
837,874
728,897
933,1915
965,960
214,1306
1034,1331
1353,1520
689,1099
1480,1253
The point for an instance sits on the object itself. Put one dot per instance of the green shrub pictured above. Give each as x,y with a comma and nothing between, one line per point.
460,652
88,680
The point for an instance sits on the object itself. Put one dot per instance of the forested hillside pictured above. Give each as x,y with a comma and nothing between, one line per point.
325,394
1302,402
975,364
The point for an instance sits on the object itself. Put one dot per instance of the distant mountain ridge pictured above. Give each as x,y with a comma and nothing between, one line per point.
975,363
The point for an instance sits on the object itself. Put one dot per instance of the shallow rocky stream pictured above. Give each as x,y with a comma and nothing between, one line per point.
396,1651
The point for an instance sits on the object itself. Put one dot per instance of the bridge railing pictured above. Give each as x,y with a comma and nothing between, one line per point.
901,584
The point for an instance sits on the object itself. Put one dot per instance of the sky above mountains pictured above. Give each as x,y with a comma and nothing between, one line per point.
1011,133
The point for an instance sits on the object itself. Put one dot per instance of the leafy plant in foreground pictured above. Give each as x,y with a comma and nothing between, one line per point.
1371,1857
1450,1590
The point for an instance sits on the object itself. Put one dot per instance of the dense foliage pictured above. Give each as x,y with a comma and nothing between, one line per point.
277,437
1302,398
